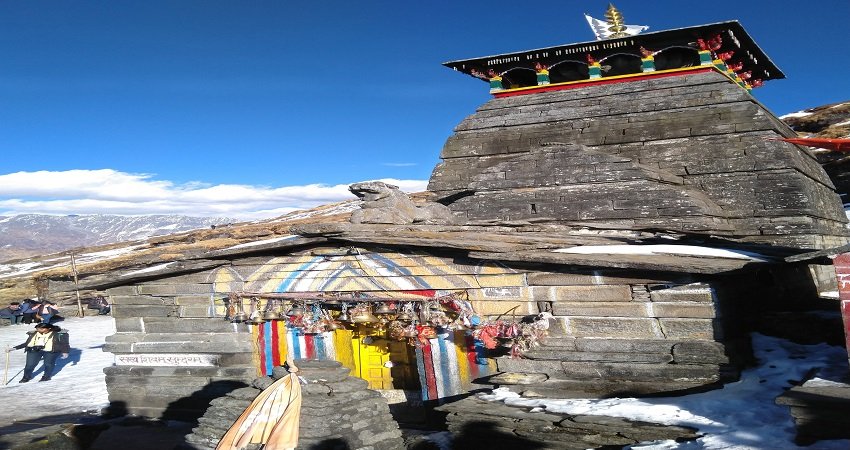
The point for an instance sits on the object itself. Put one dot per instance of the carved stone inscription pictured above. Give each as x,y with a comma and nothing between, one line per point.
167,360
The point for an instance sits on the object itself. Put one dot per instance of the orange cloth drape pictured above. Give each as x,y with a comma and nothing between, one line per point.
841,145
272,419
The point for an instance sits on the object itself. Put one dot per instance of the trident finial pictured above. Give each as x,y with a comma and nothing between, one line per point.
616,24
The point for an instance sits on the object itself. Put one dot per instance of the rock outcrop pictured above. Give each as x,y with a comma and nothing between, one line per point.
385,204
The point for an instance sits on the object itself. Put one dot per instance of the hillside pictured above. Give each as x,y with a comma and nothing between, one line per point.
16,276
37,234
827,121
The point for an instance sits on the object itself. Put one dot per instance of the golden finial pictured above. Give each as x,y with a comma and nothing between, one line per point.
617,26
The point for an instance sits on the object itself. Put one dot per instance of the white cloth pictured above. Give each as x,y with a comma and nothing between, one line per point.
600,28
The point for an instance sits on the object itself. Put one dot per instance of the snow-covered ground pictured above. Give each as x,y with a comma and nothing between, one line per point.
742,415
78,384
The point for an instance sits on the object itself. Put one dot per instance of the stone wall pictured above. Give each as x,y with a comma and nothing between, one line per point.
683,153
622,333
172,355
614,331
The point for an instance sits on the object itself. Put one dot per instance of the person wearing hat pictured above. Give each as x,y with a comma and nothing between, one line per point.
46,343
13,313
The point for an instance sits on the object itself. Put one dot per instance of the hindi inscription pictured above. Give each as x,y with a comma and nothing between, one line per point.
167,359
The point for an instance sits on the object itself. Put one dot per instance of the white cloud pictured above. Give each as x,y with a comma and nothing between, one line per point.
107,191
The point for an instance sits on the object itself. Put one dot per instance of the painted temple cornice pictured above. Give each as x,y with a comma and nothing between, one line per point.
724,46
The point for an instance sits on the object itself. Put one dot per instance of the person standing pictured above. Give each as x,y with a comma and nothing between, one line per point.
46,343
13,312
28,308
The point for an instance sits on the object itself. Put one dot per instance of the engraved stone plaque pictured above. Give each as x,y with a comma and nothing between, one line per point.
167,359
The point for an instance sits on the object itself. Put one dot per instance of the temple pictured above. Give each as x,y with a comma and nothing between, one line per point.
616,221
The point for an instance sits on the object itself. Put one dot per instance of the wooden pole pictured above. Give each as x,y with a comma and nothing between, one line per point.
80,311
6,370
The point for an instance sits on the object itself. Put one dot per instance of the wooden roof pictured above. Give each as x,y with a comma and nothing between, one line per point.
735,38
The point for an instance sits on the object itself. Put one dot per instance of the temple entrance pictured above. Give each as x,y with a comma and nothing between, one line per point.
384,363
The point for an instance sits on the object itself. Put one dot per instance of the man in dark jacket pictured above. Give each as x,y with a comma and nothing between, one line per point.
13,312
47,342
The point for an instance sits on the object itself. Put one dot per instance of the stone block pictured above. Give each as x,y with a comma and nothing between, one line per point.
707,373
121,290
191,325
128,311
199,300
607,327
195,311
495,308
696,292
699,329
699,352
129,325
602,309
175,289
141,300
604,293
508,293
698,310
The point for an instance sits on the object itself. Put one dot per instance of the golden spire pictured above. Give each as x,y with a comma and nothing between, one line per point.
617,26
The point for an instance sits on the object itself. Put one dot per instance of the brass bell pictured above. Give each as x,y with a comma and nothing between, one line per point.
257,317
331,301
385,309
296,310
272,315
363,316
239,317
405,316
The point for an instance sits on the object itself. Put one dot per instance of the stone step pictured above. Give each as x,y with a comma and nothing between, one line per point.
613,371
551,354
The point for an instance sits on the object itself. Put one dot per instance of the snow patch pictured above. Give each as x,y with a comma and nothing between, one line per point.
796,114
148,269
263,242
662,249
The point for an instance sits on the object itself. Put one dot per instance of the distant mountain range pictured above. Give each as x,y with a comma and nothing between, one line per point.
36,234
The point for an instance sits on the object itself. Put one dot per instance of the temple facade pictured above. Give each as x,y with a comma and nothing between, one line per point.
613,222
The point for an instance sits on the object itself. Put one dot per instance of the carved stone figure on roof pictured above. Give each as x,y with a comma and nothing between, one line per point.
385,204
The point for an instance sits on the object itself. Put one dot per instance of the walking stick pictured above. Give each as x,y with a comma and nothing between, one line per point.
6,370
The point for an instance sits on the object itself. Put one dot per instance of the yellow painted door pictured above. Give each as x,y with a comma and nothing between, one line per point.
371,360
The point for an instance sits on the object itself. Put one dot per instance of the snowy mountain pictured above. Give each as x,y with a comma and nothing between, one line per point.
34,234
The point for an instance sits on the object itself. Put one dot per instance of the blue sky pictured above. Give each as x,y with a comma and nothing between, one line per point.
102,100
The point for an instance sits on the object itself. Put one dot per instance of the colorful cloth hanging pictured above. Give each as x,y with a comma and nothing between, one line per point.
275,342
271,419
840,145
449,363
